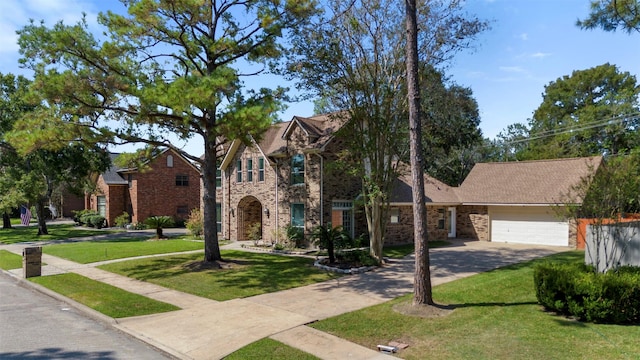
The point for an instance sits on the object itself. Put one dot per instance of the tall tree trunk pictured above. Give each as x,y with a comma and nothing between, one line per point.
210,228
42,222
6,221
375,225
422,278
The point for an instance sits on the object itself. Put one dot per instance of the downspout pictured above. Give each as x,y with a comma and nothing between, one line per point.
277,203
321,189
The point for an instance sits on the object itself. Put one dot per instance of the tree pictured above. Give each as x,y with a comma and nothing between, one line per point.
168,67
422,293
31,178
352,58
451,127
613,14
605,196
590,112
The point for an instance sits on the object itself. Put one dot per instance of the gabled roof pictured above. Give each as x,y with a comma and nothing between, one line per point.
435,191
525,182
112,175
319,129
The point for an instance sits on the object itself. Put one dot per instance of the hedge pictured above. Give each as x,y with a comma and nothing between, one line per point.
581,292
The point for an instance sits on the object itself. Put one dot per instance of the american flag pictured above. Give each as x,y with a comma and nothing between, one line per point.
25,215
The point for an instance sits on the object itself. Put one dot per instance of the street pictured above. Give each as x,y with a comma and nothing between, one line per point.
36,326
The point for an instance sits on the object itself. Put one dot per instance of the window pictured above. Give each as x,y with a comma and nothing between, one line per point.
182,210
395,215
182,180
297,169
169,160
218,175
249,169
297,215
260,169
342,215
440,218
219,217
239,170
102,205
130,180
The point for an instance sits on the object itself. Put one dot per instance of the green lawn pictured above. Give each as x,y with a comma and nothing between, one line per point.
9,260
269,349
496,316
93,251
109,300
250,274
56,232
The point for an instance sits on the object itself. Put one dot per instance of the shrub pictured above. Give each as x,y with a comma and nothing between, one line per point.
122,220
579,291
195,223
295,235
357,257
81,217
254,232
330,238
97,221
158,223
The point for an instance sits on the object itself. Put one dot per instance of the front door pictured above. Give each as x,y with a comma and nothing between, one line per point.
452,222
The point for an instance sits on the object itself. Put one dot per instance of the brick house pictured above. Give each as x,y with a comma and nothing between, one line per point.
285,178
169,185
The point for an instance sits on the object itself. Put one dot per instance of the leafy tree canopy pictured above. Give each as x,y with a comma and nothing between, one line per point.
611,15
590,112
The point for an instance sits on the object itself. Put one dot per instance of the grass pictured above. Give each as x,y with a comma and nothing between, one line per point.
496,316
400,251
109,300
94,251
56,232
269,349
250,273
9,260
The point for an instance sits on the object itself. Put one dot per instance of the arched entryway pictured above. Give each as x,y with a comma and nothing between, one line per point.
249,213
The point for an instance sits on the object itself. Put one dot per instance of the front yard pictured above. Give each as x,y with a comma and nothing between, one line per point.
496,316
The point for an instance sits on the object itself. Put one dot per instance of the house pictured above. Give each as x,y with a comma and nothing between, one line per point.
168,185
284,179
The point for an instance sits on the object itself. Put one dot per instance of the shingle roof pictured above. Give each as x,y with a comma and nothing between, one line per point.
112,176
525,182
435,191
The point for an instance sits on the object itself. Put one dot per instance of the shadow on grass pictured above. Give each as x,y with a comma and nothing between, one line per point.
57,353
486,304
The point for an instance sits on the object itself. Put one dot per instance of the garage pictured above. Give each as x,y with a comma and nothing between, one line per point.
528,225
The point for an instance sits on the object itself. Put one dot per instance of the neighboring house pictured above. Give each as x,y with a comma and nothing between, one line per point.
285,179
169,185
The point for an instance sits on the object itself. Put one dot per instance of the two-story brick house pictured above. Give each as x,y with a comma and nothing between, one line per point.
168,185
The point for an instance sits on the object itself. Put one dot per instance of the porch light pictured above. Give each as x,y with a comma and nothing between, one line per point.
266,211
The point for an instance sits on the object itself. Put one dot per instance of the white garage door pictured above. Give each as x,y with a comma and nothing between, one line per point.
528,225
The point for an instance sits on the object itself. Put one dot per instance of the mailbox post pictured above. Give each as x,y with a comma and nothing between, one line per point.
32,261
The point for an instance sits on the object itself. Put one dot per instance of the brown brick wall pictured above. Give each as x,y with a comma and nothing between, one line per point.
472,222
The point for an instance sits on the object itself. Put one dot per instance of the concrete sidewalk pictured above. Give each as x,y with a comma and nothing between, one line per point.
207,329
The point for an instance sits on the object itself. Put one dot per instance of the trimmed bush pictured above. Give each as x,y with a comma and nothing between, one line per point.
195,223
97,221
122,220
81,217
579,291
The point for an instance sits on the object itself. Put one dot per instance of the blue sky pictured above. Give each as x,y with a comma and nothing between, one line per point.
530,43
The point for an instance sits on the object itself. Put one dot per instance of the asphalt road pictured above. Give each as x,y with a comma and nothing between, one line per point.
36,326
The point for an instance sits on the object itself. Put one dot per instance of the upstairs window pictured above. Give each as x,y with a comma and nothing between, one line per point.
260,169
297,169
170,161
239,171
182,180
218,175
249,170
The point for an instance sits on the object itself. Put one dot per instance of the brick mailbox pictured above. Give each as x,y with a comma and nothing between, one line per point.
32,261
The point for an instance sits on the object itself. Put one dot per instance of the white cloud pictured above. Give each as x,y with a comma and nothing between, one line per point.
524,37
540,55
512,69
